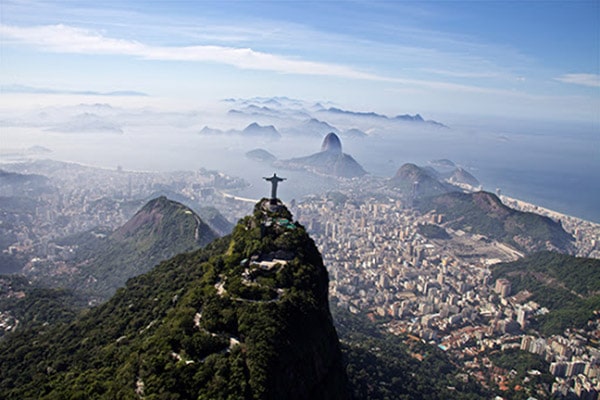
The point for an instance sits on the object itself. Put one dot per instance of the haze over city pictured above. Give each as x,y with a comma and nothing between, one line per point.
517,84
132,84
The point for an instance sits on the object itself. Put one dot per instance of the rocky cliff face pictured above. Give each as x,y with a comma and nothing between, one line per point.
245,318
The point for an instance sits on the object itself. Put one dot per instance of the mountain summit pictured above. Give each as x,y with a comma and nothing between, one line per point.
418,182
329,161
245,318
332,143
164,220
103,261
256,130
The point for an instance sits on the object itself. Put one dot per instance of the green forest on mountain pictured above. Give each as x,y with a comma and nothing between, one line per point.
568,286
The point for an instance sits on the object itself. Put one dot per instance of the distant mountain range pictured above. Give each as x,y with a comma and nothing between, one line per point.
278,107
298,118
87,123
403,118
252,130
255,129
329,161
313,128
309,128
42,90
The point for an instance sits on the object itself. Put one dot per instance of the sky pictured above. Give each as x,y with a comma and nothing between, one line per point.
503,59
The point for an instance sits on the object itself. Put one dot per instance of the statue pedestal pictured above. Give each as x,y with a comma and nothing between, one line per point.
272,205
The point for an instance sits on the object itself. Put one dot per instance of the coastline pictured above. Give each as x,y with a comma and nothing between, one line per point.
586,233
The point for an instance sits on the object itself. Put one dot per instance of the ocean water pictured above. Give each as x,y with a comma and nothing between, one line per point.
557,167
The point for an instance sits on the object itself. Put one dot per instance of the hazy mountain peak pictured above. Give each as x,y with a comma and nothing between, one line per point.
329,161
332,143
408,117
418,182
261,155
412,171
255,129
462,176
158,215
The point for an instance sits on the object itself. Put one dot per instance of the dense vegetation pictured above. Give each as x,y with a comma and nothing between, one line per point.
483,213
188,329
568,286
33,306
11,263
530,377
431,231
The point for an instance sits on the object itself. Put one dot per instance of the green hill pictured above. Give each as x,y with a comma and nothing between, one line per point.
568,286
104,261
412,180
245,318
25,306
483,213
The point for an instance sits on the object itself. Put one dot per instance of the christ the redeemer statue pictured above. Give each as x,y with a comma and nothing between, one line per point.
274,181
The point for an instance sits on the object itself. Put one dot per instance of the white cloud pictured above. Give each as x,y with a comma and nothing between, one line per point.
461,74
73,40
592,80
65,39
14,88
61,38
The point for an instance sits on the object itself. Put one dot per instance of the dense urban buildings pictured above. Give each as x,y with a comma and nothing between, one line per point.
375,246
